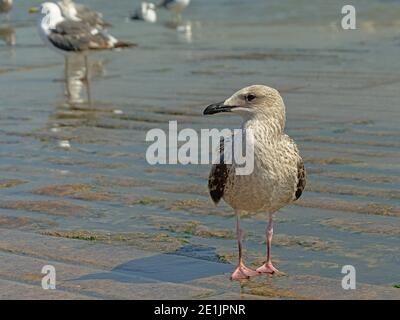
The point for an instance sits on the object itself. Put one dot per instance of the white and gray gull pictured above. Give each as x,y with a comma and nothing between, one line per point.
145,12
278,177
73,37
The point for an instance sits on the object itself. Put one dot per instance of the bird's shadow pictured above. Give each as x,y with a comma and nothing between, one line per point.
166,267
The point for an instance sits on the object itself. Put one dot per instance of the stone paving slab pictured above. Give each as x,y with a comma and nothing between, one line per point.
87,270
68,250
11,290
100,270
293,287
324,288
94,282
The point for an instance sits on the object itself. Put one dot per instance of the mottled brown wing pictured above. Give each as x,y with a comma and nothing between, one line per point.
218,177
301,176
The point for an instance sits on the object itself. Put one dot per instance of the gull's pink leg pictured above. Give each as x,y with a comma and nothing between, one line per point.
241,272
267,267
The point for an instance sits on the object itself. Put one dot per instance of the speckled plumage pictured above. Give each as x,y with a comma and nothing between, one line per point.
278,177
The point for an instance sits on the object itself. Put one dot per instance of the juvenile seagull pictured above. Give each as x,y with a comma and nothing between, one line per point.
278,177
5,6
73,37
79,12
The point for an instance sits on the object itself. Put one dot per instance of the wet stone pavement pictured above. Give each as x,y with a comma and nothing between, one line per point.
77,193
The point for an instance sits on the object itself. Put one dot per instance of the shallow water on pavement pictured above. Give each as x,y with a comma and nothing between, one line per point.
75,170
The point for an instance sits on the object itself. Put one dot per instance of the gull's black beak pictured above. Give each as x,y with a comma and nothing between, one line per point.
216,108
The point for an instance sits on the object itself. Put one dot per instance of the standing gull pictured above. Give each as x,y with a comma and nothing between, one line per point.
146,12
73,37
278,177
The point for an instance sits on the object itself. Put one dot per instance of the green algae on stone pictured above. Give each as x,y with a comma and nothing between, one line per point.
198,207
330,140
362,226
307,242
76,191
51,207
196,229
189,227
185,189
266,288
122,182
9,183
350,206
24,222
157,242
144,201
327,161
62,190
358,176
353,191
88,164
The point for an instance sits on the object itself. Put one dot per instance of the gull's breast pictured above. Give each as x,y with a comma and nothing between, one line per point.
271,185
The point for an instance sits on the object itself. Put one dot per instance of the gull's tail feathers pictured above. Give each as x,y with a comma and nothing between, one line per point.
124,44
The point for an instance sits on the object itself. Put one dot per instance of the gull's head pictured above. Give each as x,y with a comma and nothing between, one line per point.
49,9
250,102
148,6
50,16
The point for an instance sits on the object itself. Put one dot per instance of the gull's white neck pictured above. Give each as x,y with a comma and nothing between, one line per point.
50,21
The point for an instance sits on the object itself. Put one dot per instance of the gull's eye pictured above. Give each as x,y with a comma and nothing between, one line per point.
250,97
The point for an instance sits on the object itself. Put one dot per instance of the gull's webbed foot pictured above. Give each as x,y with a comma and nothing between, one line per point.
242,272
268,268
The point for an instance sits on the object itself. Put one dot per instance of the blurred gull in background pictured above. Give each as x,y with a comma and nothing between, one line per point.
73,37
175,6
146,12
6,6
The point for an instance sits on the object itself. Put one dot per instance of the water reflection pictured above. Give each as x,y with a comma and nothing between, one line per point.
78,75
77,109
183,29
7,35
